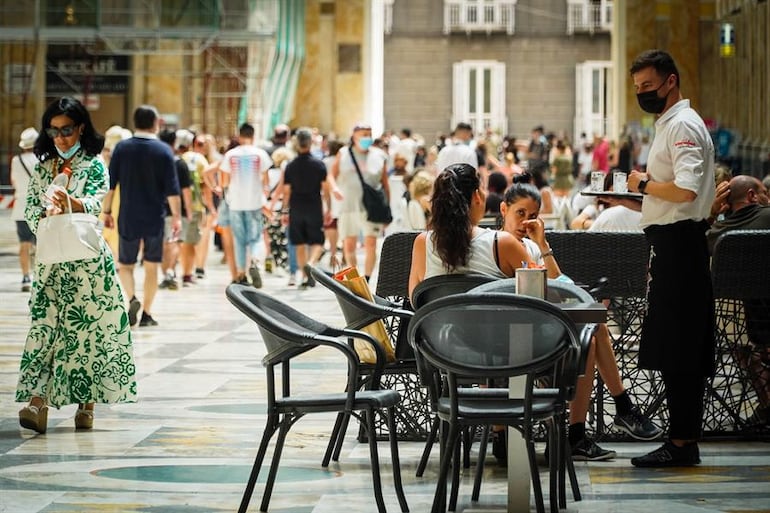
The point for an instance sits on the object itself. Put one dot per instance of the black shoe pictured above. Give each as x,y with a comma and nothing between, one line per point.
200,273
500,447
147,320
587,450
310,281
241,280
133,308
669,455
637,425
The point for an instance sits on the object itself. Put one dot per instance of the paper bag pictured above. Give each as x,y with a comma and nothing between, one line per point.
358,285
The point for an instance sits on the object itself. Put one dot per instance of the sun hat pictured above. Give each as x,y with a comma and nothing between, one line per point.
27,138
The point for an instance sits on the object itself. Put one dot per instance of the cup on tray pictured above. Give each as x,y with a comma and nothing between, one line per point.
619,182
597,181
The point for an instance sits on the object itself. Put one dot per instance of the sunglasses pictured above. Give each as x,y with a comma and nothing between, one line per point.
65,131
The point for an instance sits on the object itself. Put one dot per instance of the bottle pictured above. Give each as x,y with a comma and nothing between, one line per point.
59,182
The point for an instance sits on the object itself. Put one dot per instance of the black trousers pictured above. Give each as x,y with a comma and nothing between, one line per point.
684,395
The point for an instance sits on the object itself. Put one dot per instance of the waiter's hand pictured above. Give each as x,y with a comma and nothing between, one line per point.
634,177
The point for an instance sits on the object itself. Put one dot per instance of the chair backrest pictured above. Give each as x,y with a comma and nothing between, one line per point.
285,331
357,311
739,265
558,291
621,257
492,335
445,285
395,264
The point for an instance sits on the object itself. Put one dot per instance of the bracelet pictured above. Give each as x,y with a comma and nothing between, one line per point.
548,253
107,213
285,212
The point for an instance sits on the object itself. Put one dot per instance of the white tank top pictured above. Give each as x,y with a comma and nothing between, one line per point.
480,261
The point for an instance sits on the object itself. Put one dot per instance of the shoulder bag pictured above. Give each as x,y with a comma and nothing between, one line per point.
376,204
67,237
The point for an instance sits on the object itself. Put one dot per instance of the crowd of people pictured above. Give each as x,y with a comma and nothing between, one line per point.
164,194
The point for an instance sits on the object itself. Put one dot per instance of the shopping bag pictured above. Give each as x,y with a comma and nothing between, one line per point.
67,237
358,285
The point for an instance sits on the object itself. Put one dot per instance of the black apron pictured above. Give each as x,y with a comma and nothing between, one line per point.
678,330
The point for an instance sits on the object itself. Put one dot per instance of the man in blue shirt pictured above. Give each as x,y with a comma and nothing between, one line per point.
144,168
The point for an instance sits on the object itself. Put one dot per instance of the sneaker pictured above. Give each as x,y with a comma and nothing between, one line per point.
637,425
26,283
187,281
256,279
669,455
587,450
169,283
133,308
147,320
200,273
269,265
292,280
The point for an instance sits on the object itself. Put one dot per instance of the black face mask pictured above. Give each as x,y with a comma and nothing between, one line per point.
650,101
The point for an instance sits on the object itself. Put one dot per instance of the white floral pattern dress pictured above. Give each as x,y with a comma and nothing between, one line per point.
78,349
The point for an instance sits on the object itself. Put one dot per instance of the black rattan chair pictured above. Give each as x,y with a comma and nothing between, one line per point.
498,336
359,312
426,291
286,334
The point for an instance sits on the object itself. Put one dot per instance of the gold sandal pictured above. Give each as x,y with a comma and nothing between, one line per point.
34,417
84,419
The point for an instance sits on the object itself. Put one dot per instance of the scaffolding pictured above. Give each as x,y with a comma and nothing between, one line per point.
221,50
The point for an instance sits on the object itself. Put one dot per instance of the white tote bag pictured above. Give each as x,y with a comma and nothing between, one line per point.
67,237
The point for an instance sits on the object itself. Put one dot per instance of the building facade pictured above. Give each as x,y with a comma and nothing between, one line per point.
504,65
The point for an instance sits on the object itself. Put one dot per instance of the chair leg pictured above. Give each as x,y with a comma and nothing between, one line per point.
341,437
539,503
375,460
555,496
448,442
456,474
285,426
336,434
270,428
393,436
480,464
468,434
567,456
428,447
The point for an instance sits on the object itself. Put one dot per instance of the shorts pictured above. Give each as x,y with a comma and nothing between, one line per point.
353,224
306,229
331,225
128,250
191,230
24,233
223,215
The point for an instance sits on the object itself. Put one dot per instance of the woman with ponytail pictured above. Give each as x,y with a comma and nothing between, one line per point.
454,243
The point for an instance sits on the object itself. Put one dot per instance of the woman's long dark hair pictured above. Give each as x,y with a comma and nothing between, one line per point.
91,141
450,213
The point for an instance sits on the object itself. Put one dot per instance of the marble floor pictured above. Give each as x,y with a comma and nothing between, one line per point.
188,443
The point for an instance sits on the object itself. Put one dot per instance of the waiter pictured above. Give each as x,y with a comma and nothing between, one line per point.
678,188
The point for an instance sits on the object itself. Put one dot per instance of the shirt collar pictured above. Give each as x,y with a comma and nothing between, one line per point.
674,110
145,135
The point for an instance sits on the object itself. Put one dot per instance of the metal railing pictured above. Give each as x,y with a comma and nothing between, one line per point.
585,16
479,16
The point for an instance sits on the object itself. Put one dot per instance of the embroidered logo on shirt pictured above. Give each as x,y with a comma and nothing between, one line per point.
685,143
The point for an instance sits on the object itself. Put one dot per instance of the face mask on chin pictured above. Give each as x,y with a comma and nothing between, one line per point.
69,153
649,101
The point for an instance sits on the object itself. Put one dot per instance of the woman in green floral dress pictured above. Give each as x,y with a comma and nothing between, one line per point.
78,349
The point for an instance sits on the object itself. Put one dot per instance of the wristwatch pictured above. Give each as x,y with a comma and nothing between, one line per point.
642,186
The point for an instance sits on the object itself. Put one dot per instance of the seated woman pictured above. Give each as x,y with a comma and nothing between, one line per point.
455,244
520,209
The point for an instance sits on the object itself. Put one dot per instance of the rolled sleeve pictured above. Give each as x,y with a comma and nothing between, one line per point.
687,156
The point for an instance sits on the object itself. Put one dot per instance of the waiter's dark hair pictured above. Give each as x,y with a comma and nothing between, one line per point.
662,62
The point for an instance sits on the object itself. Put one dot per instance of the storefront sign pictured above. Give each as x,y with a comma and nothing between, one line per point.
84,74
